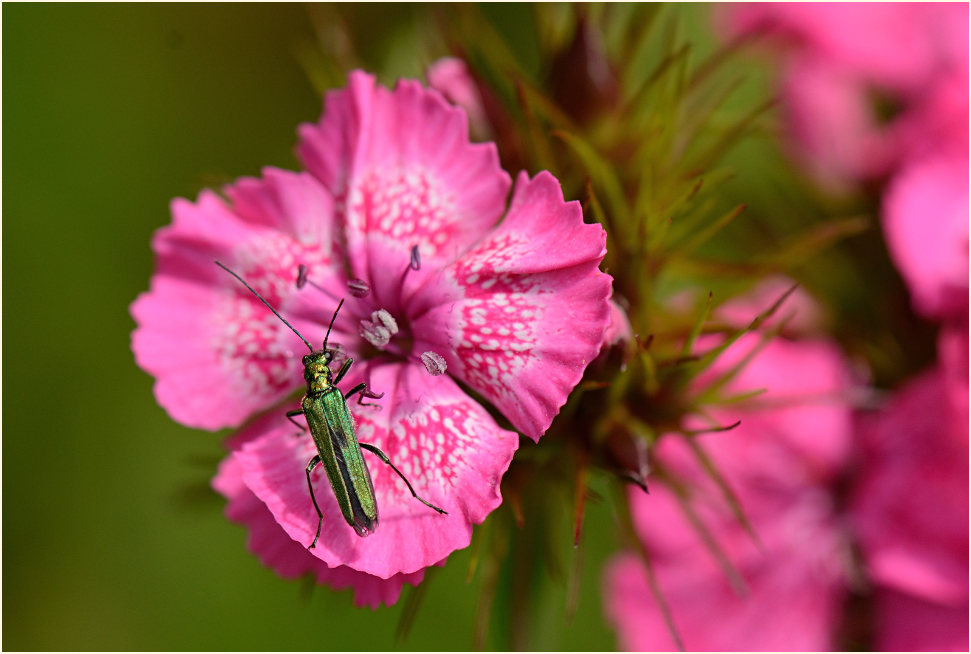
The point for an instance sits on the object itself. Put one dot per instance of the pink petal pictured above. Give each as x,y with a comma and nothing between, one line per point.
618,329
936,122
292,203
925,218
800,312
793,590
803,417
830,124
402,165
898,45
450,77
520,316
289,558
450,449
217,353
952,356
910,507
907,623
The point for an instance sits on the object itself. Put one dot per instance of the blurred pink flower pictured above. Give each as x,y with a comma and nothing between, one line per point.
910,512
799,315
841,57
782,462
952,357
904,622
925,219
899,46
829,123
936,122
407,220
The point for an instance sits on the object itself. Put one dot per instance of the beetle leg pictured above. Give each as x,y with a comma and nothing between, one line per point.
296,412
343,370
384,457
364,392
313,463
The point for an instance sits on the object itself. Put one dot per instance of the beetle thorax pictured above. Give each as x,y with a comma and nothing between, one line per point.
316,371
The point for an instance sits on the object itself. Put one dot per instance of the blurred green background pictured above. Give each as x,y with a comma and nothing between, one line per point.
112,539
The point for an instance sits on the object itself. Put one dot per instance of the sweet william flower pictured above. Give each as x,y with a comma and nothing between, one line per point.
404,218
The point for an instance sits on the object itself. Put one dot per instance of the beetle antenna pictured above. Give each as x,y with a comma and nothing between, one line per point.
270,307
331,325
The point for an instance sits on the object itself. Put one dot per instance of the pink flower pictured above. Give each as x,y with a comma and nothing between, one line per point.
898,46
910,511
782,462
936,122
404,218
799,315
829,123
925,219
907,623
840,57
952,357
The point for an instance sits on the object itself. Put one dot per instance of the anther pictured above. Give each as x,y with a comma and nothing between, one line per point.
358,287
376,335
386,319
434,363
379,329
303,278
415,263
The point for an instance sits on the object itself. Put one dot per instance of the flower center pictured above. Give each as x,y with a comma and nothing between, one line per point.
381,330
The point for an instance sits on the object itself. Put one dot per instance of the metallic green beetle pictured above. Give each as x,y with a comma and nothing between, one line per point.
332,428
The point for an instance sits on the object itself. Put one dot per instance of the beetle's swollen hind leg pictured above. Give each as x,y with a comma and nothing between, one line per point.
384,457
313,463
364,392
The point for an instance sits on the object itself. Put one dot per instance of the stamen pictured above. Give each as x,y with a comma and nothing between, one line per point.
379,329
384,318
414,263
303,279
358,287
434,363
376,335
